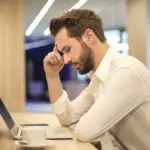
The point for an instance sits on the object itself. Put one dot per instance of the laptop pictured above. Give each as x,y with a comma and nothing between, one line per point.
52,133
14,129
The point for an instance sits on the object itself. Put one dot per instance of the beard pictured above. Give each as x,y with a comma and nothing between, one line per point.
86,59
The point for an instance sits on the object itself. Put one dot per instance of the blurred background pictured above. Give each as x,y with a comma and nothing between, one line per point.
24,25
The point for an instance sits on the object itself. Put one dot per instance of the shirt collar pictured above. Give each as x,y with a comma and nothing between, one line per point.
103,69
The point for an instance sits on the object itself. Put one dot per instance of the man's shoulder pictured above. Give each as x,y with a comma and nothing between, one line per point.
125,61
130,63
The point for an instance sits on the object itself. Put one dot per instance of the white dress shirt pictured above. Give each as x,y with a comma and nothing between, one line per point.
117,100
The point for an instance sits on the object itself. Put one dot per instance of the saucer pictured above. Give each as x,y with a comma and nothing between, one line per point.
38,145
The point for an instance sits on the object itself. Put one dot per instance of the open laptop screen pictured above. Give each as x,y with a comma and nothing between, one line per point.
6,116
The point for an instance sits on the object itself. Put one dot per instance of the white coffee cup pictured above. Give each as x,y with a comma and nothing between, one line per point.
34,135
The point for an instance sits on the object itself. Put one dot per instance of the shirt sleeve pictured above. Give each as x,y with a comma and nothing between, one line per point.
122,94
69,112
58,106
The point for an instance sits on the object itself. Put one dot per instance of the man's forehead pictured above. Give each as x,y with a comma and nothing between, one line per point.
61,34
61,38
59,45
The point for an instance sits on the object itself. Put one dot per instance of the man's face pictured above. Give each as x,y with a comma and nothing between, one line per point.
75,52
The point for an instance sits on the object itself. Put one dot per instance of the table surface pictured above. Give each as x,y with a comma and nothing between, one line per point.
21,118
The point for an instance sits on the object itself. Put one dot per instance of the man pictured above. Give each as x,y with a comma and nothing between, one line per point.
117,100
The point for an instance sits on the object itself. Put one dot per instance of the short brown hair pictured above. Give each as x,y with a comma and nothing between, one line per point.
76,21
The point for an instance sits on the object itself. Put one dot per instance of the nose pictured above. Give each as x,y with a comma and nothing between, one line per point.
67,59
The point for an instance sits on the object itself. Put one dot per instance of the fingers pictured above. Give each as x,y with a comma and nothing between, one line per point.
55,48
54,58
59,58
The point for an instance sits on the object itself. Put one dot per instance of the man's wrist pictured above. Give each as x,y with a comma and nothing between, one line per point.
52,78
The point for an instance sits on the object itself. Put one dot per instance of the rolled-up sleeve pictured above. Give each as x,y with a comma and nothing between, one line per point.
122,93
69,112
59,106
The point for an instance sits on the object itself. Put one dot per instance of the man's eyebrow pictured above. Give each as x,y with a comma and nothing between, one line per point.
65,47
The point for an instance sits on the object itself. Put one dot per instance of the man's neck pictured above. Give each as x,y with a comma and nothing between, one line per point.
99,53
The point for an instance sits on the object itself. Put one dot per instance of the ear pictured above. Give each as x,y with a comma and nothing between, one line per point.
88,36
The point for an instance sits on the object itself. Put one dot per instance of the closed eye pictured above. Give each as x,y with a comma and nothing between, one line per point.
66,49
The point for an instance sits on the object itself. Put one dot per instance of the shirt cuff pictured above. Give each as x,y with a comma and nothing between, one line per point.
60,105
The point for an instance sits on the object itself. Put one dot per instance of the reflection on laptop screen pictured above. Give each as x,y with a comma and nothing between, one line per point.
6,116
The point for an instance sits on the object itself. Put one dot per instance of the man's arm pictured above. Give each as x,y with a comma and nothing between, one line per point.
53,64
66,111
54,88
122,94
69,112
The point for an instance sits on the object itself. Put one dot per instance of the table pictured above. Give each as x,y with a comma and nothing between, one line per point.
51,119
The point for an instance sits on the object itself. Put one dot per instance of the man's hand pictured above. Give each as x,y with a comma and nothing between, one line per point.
53,63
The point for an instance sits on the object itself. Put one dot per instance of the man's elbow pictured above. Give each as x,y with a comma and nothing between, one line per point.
83,135
88,133
64,121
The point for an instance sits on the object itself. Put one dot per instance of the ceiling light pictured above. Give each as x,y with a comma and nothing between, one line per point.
47,32
76,6
39,17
